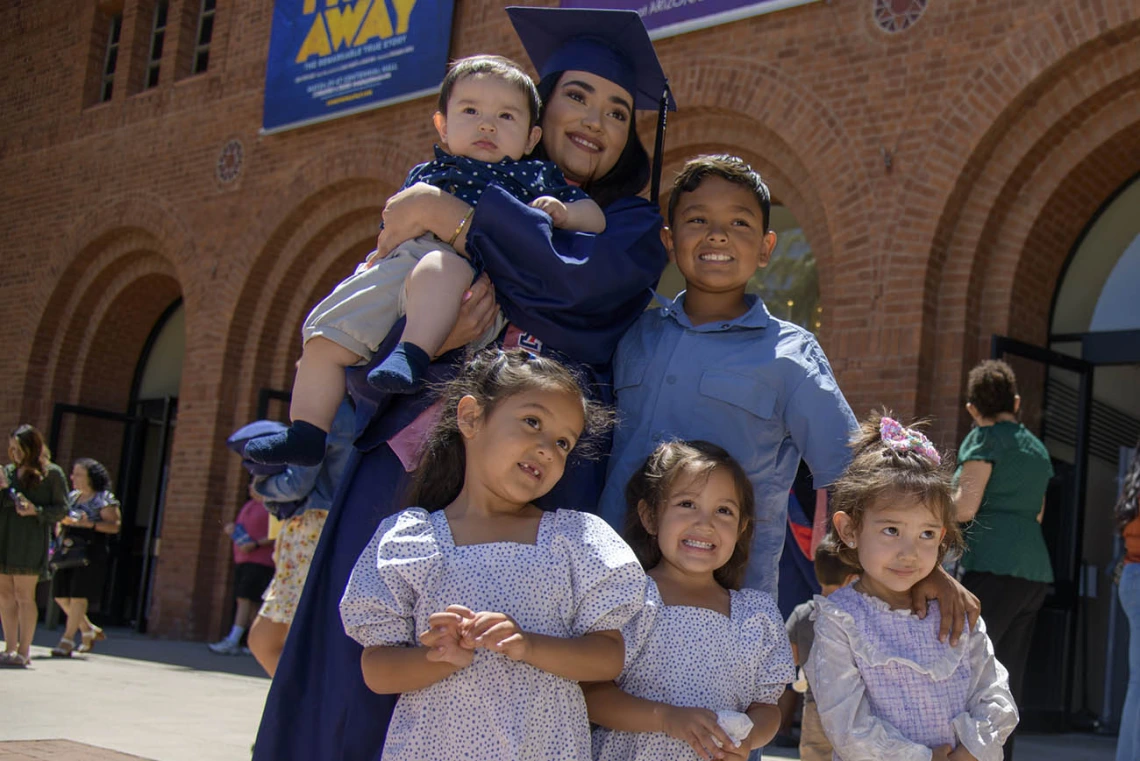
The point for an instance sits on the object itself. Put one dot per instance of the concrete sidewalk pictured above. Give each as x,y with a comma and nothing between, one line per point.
176,701
160,700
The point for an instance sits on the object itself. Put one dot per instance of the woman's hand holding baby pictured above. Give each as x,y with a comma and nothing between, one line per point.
417,210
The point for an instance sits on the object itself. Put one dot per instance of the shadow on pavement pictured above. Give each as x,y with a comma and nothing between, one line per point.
127,643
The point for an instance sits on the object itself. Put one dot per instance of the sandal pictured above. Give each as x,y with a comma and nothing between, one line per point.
12,660
89,639
63,649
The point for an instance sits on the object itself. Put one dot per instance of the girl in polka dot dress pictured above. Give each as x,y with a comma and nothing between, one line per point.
482,611
714,647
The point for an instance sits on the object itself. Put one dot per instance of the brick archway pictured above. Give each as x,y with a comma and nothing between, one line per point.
328,219
131,239
1059,150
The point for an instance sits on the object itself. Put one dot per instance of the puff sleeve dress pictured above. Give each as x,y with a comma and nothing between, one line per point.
887,688
701,658
578,577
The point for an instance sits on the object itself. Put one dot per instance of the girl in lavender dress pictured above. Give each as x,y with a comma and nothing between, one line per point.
884,684
717,659
481,610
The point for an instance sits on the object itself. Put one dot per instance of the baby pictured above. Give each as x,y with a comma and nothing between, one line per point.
487,121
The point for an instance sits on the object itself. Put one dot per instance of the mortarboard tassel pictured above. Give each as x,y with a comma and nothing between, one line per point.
659,146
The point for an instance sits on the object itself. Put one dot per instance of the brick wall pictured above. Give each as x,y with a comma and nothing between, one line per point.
1007,124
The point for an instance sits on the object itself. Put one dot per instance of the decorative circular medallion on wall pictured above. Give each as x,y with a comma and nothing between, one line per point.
229,161
898,15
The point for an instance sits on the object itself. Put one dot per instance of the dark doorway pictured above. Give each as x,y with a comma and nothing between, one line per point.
1057,402
142,442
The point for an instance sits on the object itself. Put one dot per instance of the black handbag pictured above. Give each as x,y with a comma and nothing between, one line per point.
71,553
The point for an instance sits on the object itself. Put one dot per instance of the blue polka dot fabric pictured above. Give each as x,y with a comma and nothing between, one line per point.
701,658
578,577
467,178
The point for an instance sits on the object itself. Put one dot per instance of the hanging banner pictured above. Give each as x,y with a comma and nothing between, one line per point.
331,58
665,18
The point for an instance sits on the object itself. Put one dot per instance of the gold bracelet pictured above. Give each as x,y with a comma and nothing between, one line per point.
460,226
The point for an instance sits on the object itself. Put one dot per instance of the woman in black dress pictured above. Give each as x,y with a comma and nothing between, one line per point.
93,517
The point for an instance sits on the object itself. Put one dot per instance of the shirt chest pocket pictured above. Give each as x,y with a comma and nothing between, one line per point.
749,394
630,371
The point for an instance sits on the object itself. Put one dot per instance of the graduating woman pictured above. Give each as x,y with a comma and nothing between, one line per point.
566,294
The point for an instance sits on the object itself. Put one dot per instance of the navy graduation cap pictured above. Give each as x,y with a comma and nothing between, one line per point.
612,44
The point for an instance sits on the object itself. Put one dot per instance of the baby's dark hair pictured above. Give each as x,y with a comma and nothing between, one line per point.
877,470
495,66
731,168
829,567
652,484
491,376
992,388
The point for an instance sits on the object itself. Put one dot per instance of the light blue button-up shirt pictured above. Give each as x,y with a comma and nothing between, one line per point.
757,386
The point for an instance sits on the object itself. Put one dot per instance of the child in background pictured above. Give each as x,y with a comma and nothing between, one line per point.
481,610
487,121
714,647
253,569
883,683
831,574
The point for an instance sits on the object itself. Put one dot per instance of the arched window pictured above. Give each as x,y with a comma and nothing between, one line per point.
789,284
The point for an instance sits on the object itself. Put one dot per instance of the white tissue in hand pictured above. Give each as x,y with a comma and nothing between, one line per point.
735,724
801,683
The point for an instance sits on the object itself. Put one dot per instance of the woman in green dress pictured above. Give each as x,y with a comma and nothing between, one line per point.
33,496
1003,472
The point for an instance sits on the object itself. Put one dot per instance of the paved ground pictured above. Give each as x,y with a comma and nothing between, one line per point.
166,701
138,698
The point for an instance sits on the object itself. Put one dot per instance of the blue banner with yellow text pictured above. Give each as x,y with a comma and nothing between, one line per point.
330,58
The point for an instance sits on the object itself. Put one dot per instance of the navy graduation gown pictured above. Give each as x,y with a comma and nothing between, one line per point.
577,293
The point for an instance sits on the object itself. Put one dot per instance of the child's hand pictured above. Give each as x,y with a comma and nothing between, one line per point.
552,206
961,754
941,753
698,727
732,753
498,633
444,639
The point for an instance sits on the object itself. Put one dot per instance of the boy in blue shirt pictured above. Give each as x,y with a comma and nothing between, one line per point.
715,365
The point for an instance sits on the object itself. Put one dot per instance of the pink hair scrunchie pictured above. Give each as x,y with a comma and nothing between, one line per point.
901,439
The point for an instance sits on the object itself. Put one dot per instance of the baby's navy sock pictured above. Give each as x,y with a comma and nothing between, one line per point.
402,372
302,444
